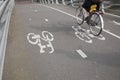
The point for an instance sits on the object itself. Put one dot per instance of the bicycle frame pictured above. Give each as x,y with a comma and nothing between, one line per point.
99,25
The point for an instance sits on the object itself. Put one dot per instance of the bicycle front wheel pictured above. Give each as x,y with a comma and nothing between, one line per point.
96,24
79,15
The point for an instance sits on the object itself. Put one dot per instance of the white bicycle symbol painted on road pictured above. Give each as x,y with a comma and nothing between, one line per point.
85,35
37,40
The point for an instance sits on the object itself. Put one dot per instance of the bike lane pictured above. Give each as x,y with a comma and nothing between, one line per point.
25,61
111,21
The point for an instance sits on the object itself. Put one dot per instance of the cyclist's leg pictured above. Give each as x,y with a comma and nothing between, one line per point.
86,5
100,7
86,13
79,15
86,8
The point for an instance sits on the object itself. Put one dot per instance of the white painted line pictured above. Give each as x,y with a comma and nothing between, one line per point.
82,36
111,34
116,23
46,20
75,17
112,15
35,10
38,40
82,53
59,11
100,37
30,19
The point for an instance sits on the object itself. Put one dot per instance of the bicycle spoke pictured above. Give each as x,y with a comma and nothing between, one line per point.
95,24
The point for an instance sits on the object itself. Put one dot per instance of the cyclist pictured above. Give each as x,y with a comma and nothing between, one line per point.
88,3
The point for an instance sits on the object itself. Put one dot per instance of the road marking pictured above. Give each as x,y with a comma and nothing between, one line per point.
112,15
59,11
100,37
35,10
83,55
116,23
46,37
46,20
111,34
75,17
30,19
85,35
82,35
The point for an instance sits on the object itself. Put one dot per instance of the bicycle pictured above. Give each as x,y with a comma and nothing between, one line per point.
94,21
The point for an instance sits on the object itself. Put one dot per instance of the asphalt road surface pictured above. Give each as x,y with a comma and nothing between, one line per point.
42,45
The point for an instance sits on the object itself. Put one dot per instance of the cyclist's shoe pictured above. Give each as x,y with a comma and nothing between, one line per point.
101,12
87,18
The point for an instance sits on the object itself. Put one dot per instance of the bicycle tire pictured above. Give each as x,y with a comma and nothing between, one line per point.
79,15
97,24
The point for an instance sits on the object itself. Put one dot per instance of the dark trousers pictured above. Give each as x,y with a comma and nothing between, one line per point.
87,4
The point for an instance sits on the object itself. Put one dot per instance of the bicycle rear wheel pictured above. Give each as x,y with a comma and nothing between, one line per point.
31,37
79,15
96,24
